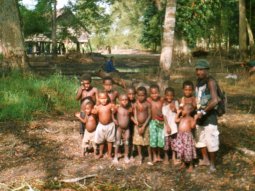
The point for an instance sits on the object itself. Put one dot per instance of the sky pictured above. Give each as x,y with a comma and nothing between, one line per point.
31,3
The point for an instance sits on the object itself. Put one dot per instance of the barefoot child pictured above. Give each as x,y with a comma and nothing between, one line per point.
105,130
188,97
142,115
90,122
122,121
185,143
156,125
107,84
131,98
86,90
170,127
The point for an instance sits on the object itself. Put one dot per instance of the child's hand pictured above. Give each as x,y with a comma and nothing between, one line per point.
77,114
136,122
168,130
141,131
173,108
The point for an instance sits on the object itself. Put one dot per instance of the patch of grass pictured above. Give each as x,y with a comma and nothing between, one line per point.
1,57
24,97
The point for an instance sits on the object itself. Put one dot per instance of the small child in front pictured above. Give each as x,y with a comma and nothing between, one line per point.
122,121
142,116
112,94
188,97
185,144
156,125
86,90
105,130
169,111
90,122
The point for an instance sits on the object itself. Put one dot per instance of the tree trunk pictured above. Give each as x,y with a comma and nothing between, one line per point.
251,38
11,37
167,43
242,29
54,28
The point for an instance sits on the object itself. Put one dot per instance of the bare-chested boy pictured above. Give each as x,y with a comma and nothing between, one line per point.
142,115
122,121
188,97
185,144
86,90
112,94
90,122
131,93
157,138
106,128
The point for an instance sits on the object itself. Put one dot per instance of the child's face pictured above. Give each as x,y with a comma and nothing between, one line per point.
141,96
123,100
154,93
188,91
103,98
86,84
107,85
131,94
88,109
169,96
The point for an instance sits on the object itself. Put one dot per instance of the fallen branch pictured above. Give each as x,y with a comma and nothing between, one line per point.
2,185
147,185
19,188
246,151
49,131
72,180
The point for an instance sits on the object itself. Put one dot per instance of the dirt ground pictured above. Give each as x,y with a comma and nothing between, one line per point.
40,154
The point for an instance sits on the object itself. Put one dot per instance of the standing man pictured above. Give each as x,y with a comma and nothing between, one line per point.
207,129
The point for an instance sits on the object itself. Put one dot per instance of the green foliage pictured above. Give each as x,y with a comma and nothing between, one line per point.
152,27
1,57
38,20
25,97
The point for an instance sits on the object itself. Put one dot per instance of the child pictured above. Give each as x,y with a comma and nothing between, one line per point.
185,143
142,115
122,121
188,88
85,91
107,84
105,130
156,124
90,122
131,98
170,128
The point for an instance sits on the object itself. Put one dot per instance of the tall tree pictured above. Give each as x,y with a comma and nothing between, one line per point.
54,27
11,37
242,29
167,42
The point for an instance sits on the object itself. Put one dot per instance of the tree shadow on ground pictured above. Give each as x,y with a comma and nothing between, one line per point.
37,149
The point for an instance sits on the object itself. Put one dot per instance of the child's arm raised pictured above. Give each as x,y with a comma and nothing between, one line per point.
79,92
194,121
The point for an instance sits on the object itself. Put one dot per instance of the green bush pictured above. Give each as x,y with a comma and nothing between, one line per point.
1,57
24,97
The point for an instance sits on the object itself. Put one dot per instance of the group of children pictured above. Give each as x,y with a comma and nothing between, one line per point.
136,120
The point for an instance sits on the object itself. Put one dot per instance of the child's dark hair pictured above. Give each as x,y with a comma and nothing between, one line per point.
85,77
88,99
131,88
154,86
142,89
188,83
107,78
169,89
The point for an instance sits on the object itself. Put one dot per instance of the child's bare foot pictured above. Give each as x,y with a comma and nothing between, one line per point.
212,168
115,160
176,162
204,163
159,159
166,161
126,160
109,157
190,169
99,156
140,160
182,166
